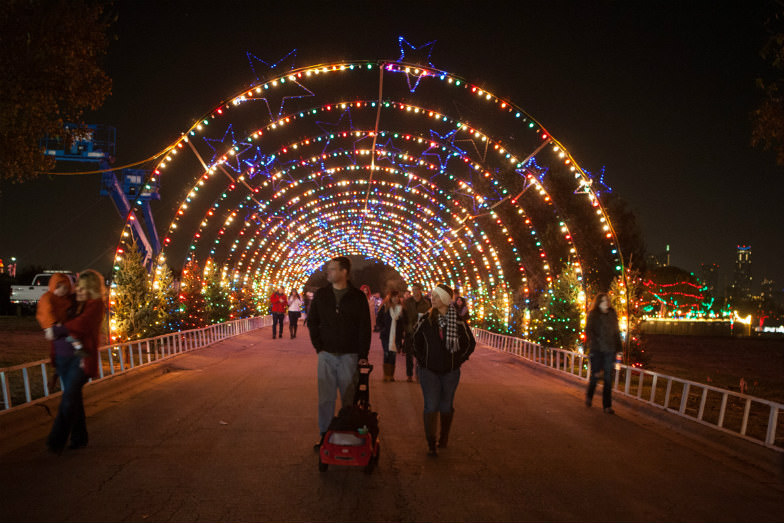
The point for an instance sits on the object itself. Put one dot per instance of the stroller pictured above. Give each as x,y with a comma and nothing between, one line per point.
352,436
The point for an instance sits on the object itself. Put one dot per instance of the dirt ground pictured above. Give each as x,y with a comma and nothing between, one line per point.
721,362
21,341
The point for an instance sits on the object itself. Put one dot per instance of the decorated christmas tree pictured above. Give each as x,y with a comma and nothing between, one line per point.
216,295
626,295
138,306
557,321
243,303
172,307
193,306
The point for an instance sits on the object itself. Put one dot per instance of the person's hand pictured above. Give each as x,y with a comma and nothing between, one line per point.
49,334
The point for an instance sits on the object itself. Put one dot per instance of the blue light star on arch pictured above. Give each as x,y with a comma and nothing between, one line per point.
418,52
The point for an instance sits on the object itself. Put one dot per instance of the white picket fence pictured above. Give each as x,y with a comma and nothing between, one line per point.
28,383
754,419
749,417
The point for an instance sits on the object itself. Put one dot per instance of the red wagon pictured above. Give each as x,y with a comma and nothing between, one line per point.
352,437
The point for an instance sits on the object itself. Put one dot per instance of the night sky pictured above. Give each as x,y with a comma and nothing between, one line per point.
659,94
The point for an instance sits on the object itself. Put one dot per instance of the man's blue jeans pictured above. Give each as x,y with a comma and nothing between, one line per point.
335,372
277,319
601,363
438,390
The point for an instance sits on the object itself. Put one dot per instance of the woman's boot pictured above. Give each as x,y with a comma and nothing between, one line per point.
391,372
446,424
386,372
431,427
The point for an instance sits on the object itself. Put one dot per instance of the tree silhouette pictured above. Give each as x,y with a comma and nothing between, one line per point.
768,117
49,74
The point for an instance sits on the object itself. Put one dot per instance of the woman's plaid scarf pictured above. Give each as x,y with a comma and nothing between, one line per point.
448,323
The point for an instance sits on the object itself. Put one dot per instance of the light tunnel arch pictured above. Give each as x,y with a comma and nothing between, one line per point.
416,110
502,225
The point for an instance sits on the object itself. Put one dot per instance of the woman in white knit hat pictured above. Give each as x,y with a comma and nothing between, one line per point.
442,342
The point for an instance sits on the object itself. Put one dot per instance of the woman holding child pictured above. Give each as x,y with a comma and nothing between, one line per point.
74,354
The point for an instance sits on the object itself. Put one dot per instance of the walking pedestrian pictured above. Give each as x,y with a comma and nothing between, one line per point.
603,338
371,303
278,304
462,308
339,325
74,353
416,306
295,311
391,322
442,343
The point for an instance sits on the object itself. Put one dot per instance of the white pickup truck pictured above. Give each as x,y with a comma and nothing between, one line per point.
30,294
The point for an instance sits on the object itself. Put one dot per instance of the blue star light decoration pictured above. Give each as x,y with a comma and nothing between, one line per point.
418,56
259,163
292,55
439,151
532,167
596,183
275,99
227,142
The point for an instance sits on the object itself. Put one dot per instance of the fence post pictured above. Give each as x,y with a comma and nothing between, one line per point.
6,392
684,397
770,435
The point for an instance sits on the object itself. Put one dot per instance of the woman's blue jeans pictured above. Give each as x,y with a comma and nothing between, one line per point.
438,390
70,420
601,363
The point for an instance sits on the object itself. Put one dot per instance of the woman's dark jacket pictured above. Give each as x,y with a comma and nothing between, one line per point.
602,333
384,324
430,347
340,328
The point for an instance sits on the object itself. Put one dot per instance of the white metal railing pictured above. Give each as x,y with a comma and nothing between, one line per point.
749,417
21,386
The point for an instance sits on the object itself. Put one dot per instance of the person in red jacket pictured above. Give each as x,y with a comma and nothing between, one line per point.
278,304
74,353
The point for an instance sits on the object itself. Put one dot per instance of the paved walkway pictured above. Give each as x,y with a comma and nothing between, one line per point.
226,433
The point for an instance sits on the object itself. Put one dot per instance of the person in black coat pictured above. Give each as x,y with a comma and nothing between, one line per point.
603,338
339,326
442,343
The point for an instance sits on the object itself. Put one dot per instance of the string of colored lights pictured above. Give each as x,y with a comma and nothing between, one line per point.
284,211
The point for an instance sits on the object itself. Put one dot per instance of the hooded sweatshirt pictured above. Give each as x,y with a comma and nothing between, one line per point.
51,308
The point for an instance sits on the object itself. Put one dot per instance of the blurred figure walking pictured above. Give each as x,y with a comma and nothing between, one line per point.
278,304
391,326
295,311
416,306
603,338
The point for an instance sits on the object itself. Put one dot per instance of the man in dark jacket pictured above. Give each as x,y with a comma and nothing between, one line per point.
416,306
339,325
